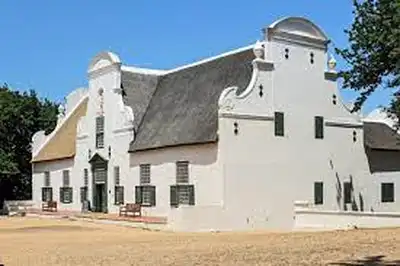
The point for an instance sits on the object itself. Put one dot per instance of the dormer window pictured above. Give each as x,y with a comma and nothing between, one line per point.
99,132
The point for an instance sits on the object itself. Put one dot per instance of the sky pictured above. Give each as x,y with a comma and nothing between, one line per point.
47,45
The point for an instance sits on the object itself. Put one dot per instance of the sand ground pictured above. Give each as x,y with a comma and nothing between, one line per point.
34,241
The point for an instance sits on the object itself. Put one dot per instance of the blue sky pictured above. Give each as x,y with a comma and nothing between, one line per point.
47,45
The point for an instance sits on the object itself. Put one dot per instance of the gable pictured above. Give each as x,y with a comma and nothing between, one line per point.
62,142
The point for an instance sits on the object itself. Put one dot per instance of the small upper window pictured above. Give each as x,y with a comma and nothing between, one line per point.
116,175
47,179
182,172
145,174
66,178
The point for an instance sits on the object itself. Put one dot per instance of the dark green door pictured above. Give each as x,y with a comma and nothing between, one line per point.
100,187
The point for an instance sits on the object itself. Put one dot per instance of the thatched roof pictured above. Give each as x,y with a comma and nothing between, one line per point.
380,136
181,107
61,144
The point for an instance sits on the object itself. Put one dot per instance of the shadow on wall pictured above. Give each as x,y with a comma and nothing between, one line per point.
383,160
340,196
370,261
203,154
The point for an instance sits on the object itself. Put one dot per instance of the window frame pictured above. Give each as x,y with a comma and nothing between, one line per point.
145,174
119,191
141,191
66,178
50,189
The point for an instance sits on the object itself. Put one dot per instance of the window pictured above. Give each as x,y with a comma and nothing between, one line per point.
116,175
387,192
100,132
46,179
347,192
182,195
319,127
66,195
85,177
47,194
279,124
318,193
182,172
84,194
144,174
84,188
145,195
66,178
119,195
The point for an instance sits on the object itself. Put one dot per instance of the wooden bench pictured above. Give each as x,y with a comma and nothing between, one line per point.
49,206
133,208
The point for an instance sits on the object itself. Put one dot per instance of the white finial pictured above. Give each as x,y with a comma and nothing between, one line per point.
332,63
61,110
259,50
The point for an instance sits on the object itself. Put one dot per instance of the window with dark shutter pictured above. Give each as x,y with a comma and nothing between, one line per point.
119,195
318,193
138,195
46,179
319,127
66,195
47,194
100,132
387,192
182,172
84,194
173,196
347,192
279,124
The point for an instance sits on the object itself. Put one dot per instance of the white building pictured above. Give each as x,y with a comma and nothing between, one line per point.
237,141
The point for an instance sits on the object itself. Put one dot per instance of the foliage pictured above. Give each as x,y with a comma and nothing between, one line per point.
374,50
21,116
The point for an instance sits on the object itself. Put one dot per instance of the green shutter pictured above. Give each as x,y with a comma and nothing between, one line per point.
50,194
318,193
191,195
279,124
119,195
153,196
43,194
61,194
319,127
173,196
347,192
138,195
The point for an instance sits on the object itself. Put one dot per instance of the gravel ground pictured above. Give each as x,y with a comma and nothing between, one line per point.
34,241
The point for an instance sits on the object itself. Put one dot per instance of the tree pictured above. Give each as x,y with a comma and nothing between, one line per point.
374,51
21,116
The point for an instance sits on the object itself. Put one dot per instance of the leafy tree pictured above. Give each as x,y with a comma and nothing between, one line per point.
374,51
21,116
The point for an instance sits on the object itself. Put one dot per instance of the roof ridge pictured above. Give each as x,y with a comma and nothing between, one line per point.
59,126
160,72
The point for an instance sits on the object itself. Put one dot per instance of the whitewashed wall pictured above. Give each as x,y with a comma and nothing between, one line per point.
56,181
204,173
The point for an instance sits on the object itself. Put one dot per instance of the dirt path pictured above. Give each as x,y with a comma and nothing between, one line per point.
31,241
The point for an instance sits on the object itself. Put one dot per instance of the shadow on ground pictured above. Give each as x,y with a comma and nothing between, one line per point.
368,261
